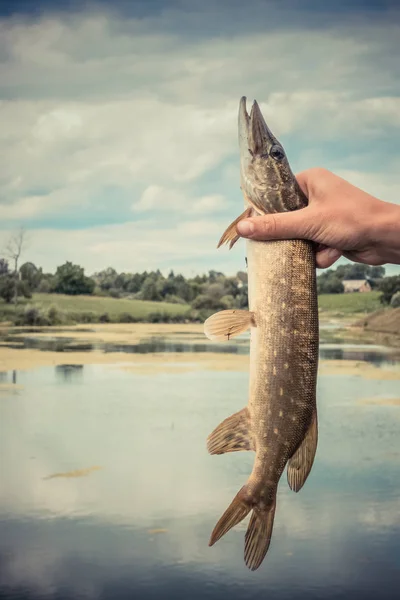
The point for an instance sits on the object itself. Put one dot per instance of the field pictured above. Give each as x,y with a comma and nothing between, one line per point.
348,304
114,307
94,308
58,308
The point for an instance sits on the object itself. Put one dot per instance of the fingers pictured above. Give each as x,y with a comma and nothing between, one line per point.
298,224
326,257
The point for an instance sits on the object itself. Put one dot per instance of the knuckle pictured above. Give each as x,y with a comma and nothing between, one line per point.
269,226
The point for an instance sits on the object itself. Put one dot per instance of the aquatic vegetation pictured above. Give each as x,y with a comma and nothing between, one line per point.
75,473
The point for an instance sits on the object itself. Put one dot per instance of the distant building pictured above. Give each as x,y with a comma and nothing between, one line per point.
356,285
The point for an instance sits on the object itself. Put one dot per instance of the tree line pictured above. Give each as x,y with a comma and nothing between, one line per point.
211,291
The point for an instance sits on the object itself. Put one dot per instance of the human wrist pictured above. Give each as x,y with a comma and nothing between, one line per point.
385,232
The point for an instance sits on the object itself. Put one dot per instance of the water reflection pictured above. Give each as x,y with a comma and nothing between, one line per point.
93,537
9,376
69,373
377,356
161,344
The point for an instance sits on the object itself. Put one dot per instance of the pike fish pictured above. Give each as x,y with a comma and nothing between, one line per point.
279,423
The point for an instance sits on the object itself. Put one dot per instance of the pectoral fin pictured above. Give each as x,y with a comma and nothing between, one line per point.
257,204
232,435
230,234
225,324
299,466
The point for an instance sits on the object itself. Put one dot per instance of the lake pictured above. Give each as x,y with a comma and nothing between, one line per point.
107,490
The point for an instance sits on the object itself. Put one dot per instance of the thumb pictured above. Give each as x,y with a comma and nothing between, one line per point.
280,226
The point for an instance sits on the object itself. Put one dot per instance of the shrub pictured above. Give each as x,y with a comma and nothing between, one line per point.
32,316
395,301
44,286
128,318
54,316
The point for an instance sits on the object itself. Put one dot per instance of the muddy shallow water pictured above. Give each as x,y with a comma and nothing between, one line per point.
107,490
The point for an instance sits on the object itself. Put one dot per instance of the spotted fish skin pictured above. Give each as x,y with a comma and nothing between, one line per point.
279,422
283,354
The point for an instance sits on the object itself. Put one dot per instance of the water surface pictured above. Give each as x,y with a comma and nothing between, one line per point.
107,490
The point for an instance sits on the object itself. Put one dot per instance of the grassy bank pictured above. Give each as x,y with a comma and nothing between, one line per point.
55,309
349,304
114,307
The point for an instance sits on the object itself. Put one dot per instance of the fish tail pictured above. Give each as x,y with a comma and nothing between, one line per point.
236,512
259,531
258,535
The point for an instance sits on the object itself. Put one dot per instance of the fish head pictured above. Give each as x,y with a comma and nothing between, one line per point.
267,181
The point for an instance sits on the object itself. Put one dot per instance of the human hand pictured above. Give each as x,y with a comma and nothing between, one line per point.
341,218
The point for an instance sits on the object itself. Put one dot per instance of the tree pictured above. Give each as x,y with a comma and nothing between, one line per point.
7,289
389,286
395,301
3,267
71,279
329,283
31,275
14,250
150,288
377,272
7,284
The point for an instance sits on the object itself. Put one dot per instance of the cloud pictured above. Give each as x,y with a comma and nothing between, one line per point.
187,246
107,115
157,199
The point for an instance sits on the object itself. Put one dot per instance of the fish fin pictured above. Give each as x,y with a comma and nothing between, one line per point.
236,512
299,465
257,205
258,536
232,435
225,324
230,234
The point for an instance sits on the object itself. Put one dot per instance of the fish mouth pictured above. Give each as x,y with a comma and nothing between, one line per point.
245,152
255,137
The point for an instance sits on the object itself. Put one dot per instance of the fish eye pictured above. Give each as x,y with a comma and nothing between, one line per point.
277,152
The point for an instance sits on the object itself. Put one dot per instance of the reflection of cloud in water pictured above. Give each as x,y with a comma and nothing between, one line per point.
149,435
381,515
96,561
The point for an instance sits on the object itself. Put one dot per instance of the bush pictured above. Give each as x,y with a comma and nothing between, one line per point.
32,316
389,287
83,317
395,301
127,318
104,318
44,287
98,291
163,317
54,316
174,299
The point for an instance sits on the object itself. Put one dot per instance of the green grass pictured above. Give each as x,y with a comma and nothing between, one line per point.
90,309
113,306
350,303
85,309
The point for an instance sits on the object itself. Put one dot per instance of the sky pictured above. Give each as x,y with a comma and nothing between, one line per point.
118,121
